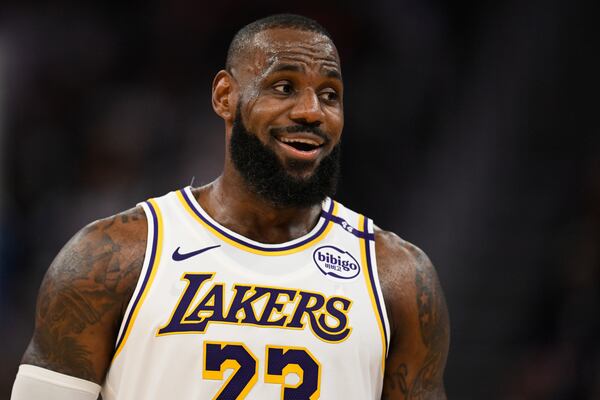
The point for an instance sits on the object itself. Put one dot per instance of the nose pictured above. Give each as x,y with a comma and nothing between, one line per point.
307,109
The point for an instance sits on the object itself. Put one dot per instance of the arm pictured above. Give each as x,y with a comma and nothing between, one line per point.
419,321
84,295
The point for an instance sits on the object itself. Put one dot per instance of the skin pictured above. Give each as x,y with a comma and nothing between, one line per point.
418,320
285,77
84,294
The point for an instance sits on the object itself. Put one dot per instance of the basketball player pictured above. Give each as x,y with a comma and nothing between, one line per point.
256,286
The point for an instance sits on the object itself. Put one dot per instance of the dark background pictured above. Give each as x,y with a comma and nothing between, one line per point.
471,130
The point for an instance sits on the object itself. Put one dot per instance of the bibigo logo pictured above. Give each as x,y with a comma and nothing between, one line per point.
336,262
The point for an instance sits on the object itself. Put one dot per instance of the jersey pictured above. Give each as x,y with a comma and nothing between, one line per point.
216,315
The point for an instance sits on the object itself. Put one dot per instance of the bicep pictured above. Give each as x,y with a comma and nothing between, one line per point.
69,335
79,305
420,339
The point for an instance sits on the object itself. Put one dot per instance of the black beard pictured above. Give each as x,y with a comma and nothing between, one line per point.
266,175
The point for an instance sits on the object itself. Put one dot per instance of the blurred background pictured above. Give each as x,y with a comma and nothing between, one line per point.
471,130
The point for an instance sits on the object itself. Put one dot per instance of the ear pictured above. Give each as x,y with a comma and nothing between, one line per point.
223,93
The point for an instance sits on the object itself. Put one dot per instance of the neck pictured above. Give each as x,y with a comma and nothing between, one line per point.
230,202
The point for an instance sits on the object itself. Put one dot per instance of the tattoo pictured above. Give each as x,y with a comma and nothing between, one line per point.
125,218
395,380
425,304
84,293
64,350
433,324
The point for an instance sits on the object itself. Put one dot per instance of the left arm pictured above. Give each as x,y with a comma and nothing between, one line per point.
418,320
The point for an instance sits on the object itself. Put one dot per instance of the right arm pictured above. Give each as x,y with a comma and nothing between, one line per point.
83,297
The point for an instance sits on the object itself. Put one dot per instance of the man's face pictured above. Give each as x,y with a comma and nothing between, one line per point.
291,97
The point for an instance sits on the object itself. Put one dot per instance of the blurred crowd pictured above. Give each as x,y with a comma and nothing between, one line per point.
470,130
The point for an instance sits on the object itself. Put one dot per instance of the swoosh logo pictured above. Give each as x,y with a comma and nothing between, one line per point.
177,256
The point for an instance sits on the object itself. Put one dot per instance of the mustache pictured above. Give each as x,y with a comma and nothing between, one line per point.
301,128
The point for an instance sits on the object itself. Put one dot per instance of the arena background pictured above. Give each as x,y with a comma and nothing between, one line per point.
471,130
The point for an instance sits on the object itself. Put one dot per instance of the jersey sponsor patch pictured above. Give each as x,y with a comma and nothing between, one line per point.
336,262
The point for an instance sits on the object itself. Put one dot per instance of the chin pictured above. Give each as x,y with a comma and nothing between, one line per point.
303,173
301,176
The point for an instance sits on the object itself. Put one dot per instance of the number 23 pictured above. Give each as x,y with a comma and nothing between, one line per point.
280,361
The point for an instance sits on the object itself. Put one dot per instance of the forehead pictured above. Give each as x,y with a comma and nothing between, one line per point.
283,45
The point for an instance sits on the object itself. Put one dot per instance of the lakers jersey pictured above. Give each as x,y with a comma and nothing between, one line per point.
216,315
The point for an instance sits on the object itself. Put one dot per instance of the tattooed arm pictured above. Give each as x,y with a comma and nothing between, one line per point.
418,320
84,295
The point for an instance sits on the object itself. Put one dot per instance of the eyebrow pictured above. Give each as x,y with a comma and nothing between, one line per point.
330,73
333,73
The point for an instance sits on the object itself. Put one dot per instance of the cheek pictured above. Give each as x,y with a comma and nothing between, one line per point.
264,113
335,121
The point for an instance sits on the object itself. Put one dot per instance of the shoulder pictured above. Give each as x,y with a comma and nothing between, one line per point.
128,227
408,278
391,248
108,251
399,260
102,244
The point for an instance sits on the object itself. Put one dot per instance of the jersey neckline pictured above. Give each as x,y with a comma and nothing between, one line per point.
319,231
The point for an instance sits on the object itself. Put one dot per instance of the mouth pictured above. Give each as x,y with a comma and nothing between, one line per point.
302,145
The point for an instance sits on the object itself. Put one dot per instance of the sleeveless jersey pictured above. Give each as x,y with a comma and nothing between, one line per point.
216,315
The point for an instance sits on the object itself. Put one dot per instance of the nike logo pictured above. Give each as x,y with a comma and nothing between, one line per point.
177,256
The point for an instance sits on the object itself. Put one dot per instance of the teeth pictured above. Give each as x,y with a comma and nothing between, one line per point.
299,140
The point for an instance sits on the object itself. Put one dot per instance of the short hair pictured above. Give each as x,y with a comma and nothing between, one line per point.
292,21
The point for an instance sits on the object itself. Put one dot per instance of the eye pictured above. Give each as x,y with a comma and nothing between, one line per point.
283,87
329,95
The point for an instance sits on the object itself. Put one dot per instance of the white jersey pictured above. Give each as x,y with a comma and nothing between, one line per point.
216,315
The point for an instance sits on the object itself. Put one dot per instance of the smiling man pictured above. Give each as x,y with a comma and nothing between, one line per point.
256,286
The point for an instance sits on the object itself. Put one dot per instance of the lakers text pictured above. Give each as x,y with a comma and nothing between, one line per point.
203,303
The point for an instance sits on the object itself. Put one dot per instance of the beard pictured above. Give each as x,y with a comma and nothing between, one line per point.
267,177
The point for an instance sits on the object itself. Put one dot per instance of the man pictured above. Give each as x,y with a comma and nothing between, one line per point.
256,286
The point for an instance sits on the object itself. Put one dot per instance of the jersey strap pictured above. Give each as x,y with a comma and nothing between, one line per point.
367,247
348,227
151,262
